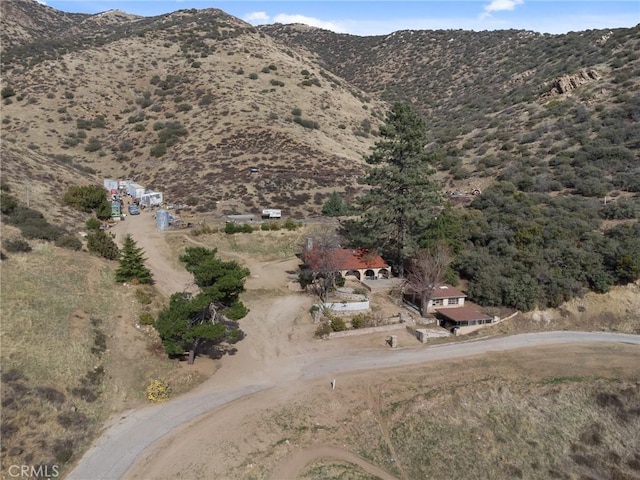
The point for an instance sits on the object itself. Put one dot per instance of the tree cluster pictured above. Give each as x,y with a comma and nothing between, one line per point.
530,249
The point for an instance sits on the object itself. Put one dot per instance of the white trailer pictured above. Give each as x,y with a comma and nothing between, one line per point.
135,190
110,184
151,198
271,213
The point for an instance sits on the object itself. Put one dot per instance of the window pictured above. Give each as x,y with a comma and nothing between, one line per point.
454,301
437,302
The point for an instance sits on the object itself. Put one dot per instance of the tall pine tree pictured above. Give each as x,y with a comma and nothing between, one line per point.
403,197
132,265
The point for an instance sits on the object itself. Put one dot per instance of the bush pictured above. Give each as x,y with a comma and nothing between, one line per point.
93,145
143,297
323,329
146,319
16,245
253,76
101,243
158,391
70,242
7,92
183,107
93,223
338,324
231,228
291,224
158,150
359,321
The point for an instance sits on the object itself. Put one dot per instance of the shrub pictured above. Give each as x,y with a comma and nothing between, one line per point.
306,123
323,329
7,92
146,319
158,391
232,228
93,145
101,243
253,76
183,107
291,224
70,242
93,223
143,297
359,321
296,112
16,245
338,324
158,150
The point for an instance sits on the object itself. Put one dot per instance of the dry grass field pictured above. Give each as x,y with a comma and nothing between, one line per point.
546,412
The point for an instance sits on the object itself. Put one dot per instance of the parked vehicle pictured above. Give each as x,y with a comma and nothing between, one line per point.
134,210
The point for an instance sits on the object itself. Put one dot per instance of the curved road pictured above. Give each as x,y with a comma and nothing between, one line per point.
123,441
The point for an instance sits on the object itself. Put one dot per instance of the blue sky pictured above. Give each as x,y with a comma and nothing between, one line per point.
383,17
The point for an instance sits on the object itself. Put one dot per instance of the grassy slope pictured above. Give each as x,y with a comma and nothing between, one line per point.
66,363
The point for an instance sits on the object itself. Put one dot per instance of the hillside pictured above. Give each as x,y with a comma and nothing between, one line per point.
188,103
520,106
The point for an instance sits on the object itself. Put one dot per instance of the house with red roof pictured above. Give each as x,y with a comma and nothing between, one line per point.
357,262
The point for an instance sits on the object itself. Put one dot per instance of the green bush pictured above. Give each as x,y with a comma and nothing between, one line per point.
290,224
146,319
359,321
16,245
338,324
93,145
253,76
101,243
7,92
70,242
232,228
93,223
158,150
143,296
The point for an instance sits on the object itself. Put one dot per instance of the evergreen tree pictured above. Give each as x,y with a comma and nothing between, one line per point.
403,197
193,323
334,206
132,263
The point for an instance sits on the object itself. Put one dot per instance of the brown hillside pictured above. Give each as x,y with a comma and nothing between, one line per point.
226,99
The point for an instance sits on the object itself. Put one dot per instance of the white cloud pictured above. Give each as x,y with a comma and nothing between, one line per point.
256,17
41,2
501,5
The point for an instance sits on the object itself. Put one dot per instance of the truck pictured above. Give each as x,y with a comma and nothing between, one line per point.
134,190
271,213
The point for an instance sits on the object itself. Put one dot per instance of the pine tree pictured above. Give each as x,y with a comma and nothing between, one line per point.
132,263
194,323
334,206
403,198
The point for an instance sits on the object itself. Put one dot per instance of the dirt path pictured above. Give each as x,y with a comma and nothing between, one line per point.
278,357
300,460
169,276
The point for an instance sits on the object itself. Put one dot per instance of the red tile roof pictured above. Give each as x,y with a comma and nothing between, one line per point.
462,314
348,259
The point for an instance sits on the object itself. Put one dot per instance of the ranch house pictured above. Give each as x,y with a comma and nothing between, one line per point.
359,263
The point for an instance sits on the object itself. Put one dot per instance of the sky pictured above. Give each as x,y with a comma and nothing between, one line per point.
364,17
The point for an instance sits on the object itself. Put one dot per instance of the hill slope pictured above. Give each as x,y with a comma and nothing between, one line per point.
188,103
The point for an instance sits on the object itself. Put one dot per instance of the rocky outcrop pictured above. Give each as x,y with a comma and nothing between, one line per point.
567,83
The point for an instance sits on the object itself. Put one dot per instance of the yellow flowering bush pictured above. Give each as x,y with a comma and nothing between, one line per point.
158,391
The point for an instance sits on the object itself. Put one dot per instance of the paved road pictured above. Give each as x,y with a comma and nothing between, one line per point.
123,441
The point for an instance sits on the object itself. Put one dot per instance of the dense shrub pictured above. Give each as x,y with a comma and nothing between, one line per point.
70,242
101,243
88,198
530,249
232,228
16,245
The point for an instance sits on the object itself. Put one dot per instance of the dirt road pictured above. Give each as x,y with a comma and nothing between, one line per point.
277,355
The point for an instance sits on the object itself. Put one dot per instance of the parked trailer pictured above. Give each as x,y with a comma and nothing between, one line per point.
271,213
135,190
151,198
110,185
